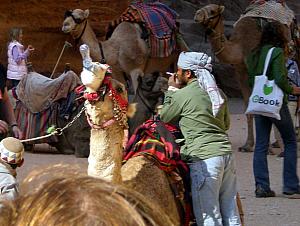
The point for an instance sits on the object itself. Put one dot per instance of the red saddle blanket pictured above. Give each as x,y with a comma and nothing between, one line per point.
160,22
155,140
36,124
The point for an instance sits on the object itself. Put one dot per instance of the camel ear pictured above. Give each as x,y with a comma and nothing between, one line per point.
221,9
86,13
131,110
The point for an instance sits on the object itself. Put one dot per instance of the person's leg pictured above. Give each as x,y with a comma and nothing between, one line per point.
278,138
292,106
263,127
287,132
15,82
228,193
206,178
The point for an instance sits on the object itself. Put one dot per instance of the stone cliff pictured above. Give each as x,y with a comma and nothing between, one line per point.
41,21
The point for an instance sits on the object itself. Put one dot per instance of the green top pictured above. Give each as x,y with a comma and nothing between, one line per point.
276,70
205,135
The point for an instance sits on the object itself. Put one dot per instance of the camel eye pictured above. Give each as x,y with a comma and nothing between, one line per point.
119,89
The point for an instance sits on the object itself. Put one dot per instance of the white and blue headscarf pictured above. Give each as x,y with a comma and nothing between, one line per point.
200,64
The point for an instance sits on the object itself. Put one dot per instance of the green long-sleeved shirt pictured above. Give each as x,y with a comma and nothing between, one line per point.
205,135
276,69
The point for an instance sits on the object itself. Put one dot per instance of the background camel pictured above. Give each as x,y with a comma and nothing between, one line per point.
245,37
37,110
108,119
148,96
125,51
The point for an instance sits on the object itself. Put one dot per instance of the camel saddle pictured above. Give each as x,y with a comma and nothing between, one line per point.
275,10
37,92
158,24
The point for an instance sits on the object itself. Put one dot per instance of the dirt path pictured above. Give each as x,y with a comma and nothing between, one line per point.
277,211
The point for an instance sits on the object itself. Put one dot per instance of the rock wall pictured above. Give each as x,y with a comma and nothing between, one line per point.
41,21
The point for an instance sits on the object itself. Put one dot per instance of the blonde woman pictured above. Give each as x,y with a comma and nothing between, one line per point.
78,200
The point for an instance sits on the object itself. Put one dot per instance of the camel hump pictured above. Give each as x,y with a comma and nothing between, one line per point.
158,24
31,89
270,10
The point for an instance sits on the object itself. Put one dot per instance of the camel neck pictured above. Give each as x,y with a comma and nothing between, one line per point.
89,37
227,51
105,159
217,37
77,39
217,28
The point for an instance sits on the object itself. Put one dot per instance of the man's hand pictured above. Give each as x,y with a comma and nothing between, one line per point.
3,127
17,132
172,82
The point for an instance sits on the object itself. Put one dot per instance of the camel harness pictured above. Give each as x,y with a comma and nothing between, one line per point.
120,104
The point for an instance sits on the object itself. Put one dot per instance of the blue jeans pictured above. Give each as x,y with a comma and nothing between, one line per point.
214,191
286,129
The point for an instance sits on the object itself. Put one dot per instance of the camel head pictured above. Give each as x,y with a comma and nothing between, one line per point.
209,15
107,99
74,21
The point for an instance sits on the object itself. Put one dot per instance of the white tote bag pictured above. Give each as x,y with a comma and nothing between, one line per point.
266,98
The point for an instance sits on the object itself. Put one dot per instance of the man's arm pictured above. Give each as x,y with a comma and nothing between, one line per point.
171,110
9,192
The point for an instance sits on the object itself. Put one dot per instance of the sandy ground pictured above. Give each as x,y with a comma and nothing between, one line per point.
278,211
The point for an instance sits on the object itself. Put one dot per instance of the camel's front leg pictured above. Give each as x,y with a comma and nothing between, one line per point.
242,77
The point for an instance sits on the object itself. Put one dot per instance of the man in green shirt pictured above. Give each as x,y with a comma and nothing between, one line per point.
194,101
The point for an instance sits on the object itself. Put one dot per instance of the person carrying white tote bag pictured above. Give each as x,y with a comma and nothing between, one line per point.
266,98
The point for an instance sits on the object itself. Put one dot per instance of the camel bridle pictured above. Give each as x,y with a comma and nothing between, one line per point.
210,29
78,22
209,20
120,105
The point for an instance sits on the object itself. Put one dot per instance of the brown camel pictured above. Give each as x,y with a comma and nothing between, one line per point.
107,113
126,52
245,37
